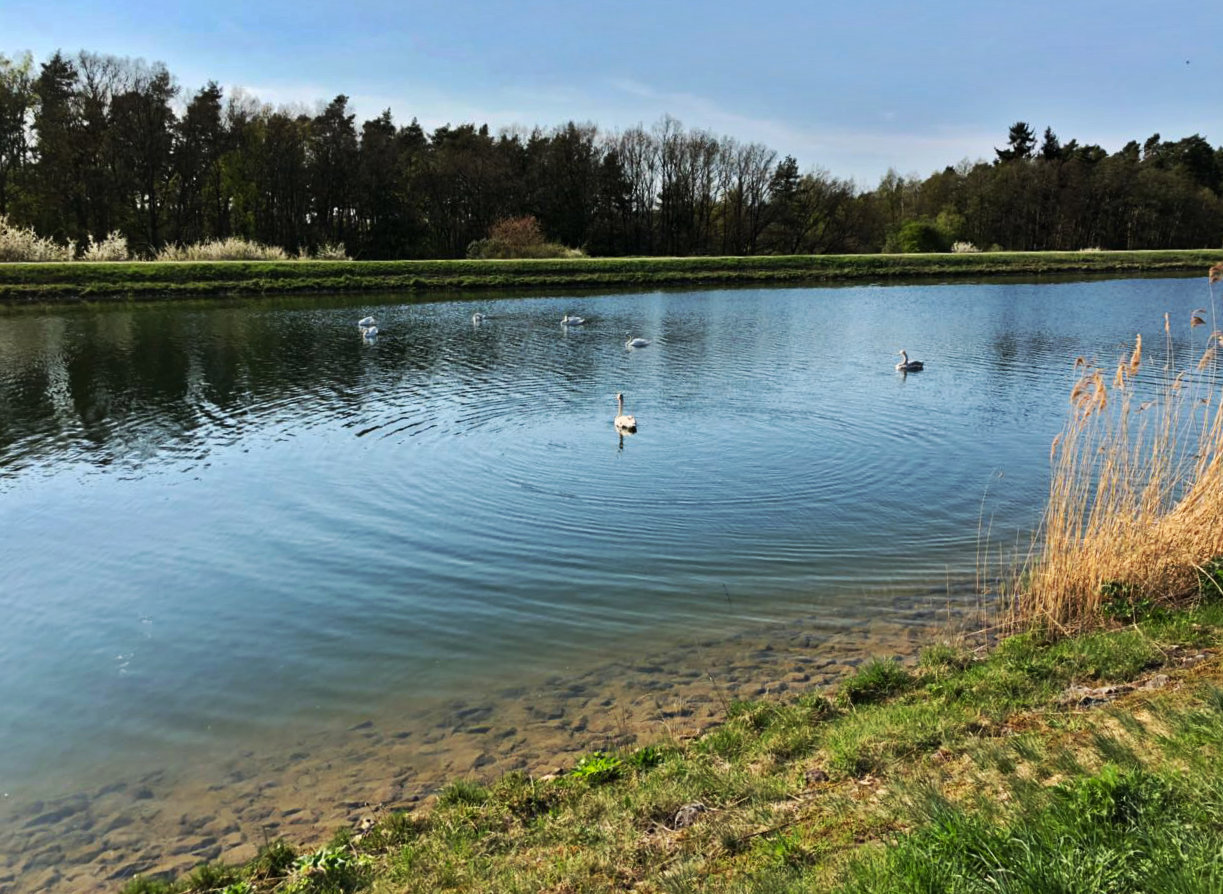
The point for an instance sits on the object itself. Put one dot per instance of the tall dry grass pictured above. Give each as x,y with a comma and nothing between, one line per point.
1136,496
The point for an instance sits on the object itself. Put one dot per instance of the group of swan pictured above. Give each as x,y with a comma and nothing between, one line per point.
638,342
907,365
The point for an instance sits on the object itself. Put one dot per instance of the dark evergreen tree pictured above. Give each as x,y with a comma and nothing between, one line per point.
1020,142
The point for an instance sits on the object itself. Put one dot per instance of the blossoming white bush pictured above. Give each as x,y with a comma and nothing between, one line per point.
231,249
112,248
963,247
331,251
23,244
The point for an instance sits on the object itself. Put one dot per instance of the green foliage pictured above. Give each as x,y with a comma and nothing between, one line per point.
919,236
463,791
141,885
1112,831
598,768
943,658
647,758
210,876
329,870
876,680
1121,601
1210,580
273,859
95,143
783,847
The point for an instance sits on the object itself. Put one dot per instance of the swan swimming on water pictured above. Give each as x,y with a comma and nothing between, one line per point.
369,333
624,423
477,318
567,320
907,365
636,342
365,322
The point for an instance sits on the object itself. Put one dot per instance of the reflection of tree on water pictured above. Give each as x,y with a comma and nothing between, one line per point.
119,385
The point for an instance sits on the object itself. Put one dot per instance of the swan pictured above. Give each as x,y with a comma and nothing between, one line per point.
567,320
477,318
907,365
369,333
636,342
624,423
365,322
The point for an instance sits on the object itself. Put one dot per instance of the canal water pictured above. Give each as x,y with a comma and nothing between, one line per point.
246,552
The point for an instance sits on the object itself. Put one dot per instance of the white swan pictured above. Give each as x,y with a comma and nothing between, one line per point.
636,342
907,365
477,318
369,333
567,320
365,322
624,423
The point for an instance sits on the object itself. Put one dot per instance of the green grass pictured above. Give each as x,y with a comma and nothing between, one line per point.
51,282
958,774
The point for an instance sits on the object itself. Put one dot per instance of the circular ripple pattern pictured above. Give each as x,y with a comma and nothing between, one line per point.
227,521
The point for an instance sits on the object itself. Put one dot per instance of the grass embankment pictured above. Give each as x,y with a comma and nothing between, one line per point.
1088,764
51,282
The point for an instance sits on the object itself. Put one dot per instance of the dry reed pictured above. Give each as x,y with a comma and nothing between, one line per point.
1136,494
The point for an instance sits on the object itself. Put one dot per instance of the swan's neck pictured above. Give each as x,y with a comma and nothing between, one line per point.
619,405
904,357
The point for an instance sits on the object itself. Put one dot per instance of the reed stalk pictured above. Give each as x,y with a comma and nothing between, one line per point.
1135,510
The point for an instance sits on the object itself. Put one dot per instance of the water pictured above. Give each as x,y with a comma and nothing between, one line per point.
236,524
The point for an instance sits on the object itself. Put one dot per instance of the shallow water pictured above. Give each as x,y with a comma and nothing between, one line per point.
229,528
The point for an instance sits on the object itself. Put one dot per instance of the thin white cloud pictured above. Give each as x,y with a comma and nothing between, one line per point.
862,153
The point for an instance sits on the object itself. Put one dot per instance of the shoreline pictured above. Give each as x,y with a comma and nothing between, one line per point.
79,281
1066,751
164,822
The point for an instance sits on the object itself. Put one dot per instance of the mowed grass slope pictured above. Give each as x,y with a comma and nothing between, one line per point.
74,281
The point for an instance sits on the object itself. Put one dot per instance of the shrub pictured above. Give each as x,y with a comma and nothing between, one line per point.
517,237
961,248
331,251
918,236
112,248
232,249
23,244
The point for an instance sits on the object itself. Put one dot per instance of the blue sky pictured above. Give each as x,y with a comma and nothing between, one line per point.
853,88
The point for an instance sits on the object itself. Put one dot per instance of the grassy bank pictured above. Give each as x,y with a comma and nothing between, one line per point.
1093,763
53,282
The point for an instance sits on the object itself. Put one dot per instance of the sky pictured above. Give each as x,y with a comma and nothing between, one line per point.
851,88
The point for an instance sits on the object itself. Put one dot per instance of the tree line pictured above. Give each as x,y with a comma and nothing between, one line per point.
92,144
